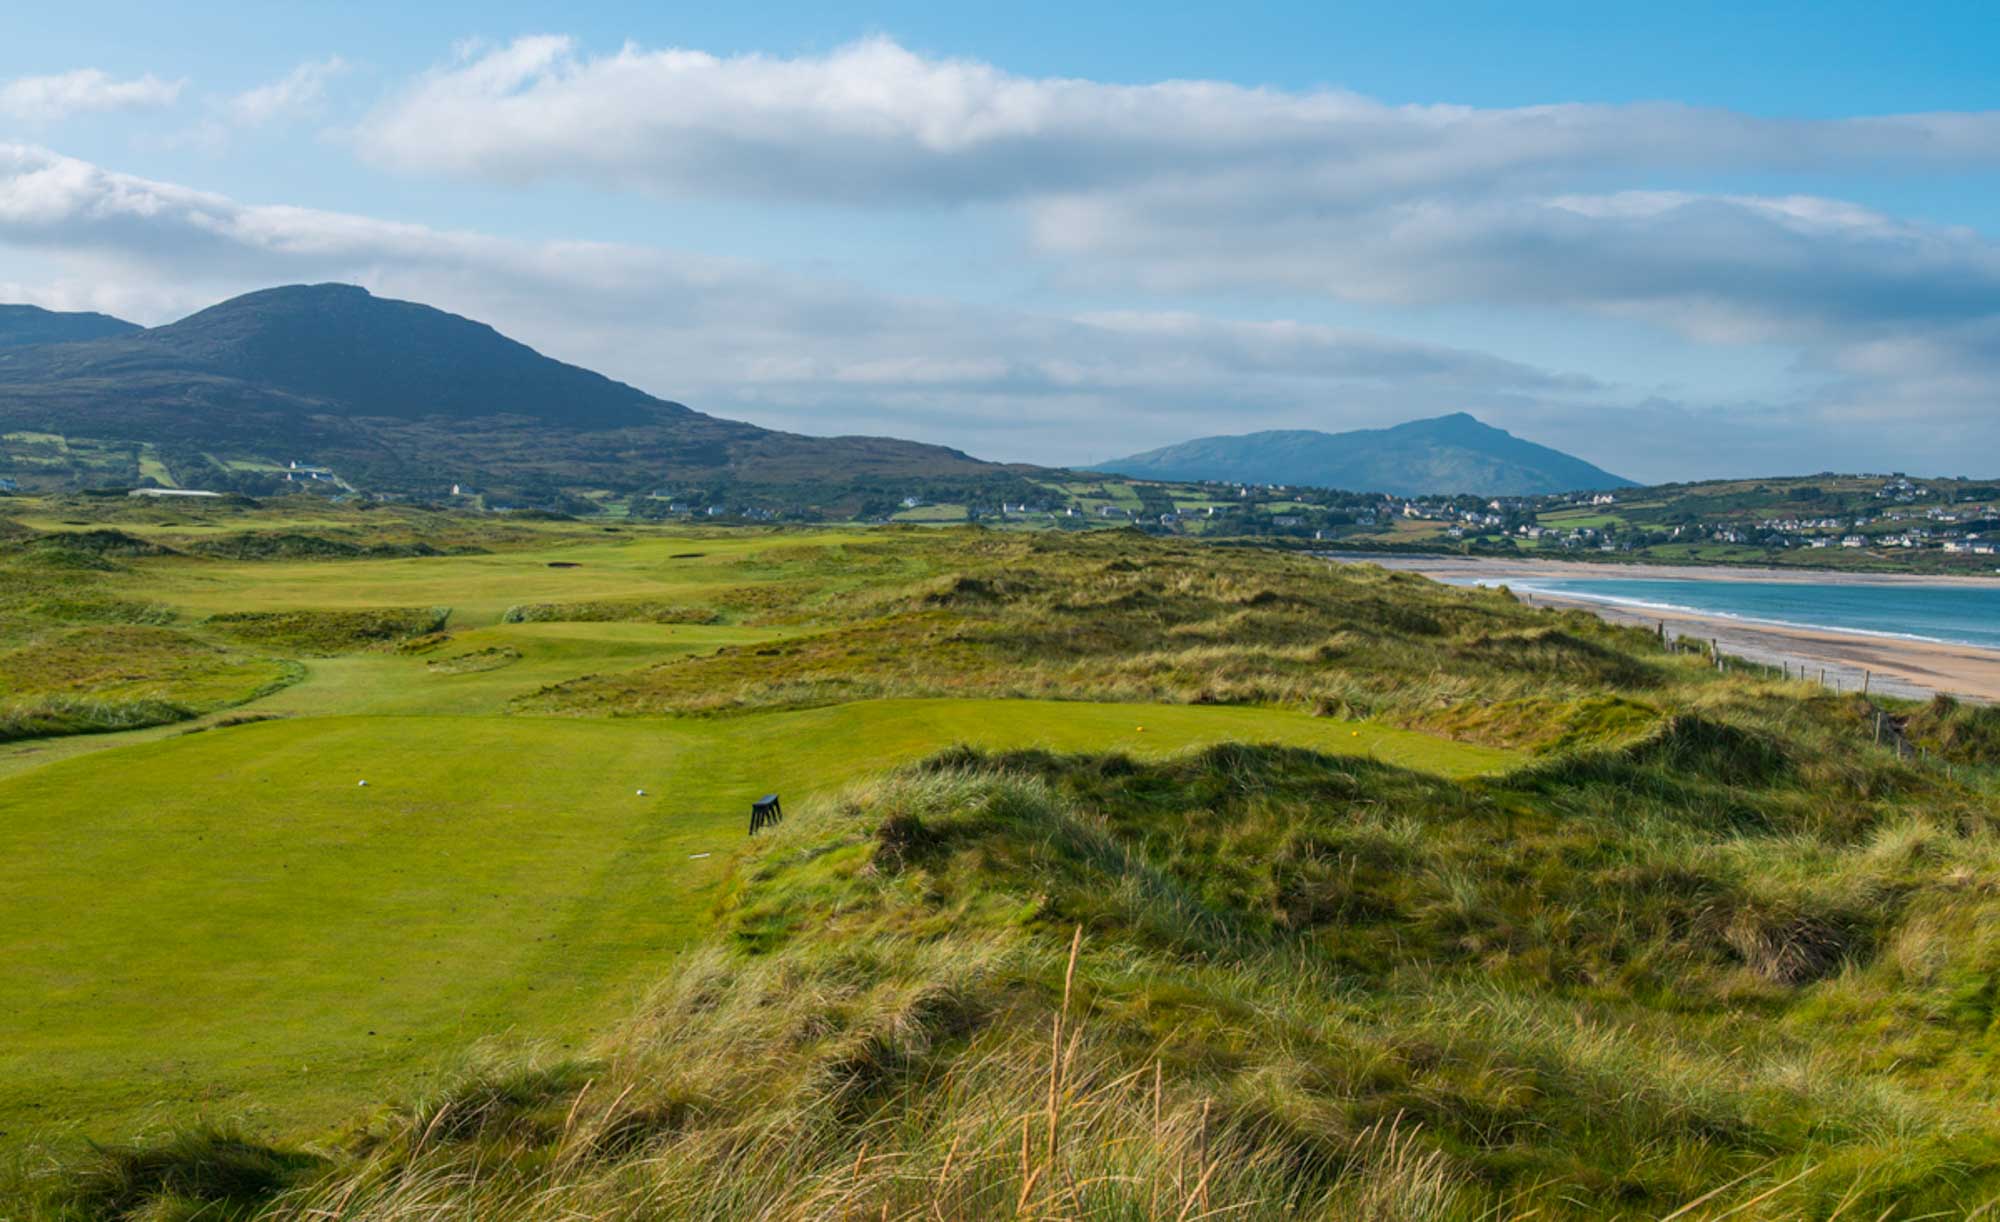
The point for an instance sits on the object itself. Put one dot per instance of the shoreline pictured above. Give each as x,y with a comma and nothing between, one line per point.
1495,567
1889,665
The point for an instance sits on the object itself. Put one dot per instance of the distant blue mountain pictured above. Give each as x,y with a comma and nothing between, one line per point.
1454,453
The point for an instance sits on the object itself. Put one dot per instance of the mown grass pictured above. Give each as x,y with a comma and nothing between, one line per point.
249,929
1244,981
1562,925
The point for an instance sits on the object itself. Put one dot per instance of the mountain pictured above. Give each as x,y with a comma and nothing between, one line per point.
23,325
397,396
1454,453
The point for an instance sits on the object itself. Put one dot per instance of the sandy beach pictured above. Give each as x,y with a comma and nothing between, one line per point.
1889,665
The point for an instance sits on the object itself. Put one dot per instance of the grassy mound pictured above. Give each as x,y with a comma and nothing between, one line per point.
477,661
36,595
100,542
331,632
54,716
292,545
1962,733
1245,980
203,1172
609,611
89,680
1566,926
1100,618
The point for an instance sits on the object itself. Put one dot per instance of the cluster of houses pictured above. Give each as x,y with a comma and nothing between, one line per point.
1946,528
1942,532
749,513
298,472
1971,545
1901,489
1574,539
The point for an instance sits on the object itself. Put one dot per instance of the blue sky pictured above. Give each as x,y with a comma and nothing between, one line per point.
1686,240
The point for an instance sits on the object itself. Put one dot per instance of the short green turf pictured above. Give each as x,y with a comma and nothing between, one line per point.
229,922
478,588
226,923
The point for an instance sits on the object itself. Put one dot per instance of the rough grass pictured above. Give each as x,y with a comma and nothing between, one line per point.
1709,951
299,545
199,1172
492,657
1100,617
330,632
54,716
1244,981
1962,733
627,611
98,679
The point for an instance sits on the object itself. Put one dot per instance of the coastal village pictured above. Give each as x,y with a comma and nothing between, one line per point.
1826,520
1871,515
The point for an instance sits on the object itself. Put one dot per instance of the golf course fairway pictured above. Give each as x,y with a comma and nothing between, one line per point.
195,921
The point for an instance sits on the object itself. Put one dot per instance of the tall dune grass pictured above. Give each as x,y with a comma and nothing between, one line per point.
1244,983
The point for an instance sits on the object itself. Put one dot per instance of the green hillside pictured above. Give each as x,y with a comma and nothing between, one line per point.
404,399
1122,876
22,325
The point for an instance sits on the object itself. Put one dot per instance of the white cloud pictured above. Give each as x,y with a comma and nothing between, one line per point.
739,339
742,340
299,91
874,121
1719,268
1193,187
83,91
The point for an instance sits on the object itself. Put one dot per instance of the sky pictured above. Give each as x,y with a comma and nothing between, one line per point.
1680,241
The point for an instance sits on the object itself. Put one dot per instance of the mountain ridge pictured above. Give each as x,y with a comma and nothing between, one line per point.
408,398
1455,453
23,326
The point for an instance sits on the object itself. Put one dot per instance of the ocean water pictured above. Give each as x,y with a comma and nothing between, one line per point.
1968,615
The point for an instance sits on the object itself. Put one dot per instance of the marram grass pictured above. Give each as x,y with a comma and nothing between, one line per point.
1570,926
